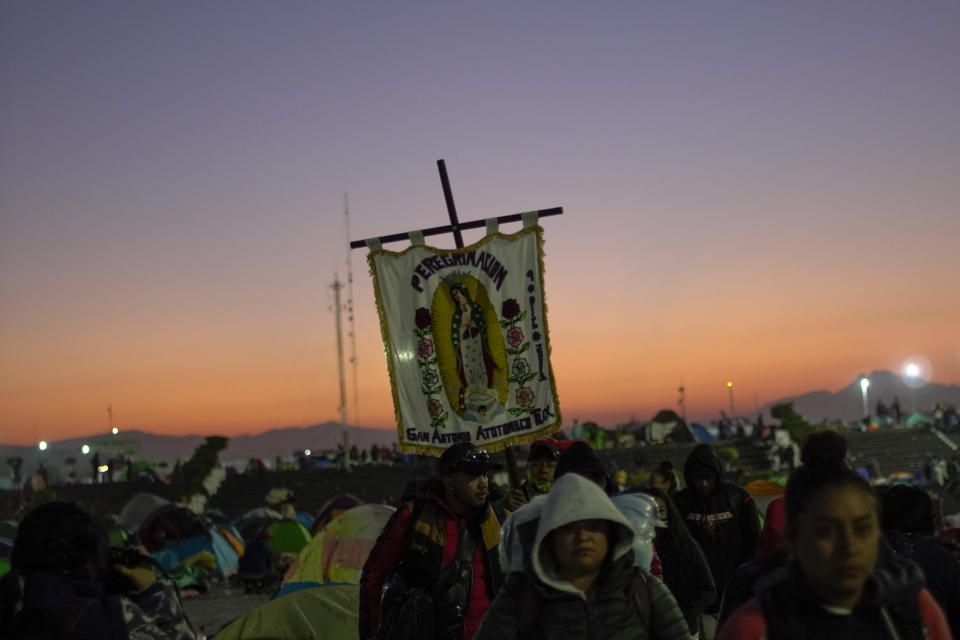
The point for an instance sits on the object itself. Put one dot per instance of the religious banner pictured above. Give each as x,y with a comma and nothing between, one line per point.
466,340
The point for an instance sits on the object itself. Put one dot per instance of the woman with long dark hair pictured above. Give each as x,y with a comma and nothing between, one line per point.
685,569
833,586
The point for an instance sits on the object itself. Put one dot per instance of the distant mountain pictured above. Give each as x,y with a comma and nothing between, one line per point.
847,403
157,447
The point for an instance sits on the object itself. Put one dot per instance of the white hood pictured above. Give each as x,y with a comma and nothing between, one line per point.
514,545
573,498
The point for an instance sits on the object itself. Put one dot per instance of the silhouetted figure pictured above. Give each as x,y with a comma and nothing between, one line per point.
896,410
882,410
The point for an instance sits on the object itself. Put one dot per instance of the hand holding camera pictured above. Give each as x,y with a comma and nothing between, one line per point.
134,564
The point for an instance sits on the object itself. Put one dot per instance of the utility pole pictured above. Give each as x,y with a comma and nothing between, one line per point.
352,332
683,403
337,286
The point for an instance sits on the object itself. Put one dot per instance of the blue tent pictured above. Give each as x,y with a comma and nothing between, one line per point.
212,541
701,433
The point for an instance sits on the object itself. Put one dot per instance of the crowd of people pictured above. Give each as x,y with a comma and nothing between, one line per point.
570,553
563,556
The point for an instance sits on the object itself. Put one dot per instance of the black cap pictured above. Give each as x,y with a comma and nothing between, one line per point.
465,458
542,450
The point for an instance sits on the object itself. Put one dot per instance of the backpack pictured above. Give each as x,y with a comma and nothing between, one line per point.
413,612
529,605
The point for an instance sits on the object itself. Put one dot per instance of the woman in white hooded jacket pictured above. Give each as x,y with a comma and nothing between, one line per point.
582,582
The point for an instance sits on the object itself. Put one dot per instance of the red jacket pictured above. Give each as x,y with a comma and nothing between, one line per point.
393,544
748,623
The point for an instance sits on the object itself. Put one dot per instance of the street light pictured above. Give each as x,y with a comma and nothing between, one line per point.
85,449
116,431
864,385
42,445
730,389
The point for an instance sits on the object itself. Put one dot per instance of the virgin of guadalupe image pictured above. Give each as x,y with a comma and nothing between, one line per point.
471,355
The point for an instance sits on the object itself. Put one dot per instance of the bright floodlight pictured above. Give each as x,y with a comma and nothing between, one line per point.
912,370
85,449
864,383
103,468
42,445
116,431
306,452
729,384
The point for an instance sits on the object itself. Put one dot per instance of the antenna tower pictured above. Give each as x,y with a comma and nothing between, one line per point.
352,330
337,286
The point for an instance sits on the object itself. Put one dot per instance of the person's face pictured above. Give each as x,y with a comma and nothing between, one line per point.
458,296
470,490
657,481
835,541
662,506
542,469
705,483
580,547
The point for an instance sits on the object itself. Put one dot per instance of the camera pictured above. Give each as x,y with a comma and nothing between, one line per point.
128,556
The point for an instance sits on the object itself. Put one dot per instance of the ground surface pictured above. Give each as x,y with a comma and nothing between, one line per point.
209,612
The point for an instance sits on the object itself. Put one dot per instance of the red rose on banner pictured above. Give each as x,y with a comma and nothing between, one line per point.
422,319
510,308
425,348
515,336
525,396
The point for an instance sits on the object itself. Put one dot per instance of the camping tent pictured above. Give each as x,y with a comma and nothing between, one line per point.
338,551
327,611
168,525
210,541
6,548
138,509
917,419
764,488
701,433
287,536
667,425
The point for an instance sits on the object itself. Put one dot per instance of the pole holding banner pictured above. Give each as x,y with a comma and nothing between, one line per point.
466,335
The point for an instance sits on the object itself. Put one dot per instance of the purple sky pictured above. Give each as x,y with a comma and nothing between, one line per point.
172,178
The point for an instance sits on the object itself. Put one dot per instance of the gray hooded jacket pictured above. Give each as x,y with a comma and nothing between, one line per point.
609,611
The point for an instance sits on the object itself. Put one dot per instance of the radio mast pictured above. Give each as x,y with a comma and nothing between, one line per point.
337,286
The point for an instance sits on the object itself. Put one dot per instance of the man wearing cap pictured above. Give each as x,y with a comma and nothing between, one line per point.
541,465
423,538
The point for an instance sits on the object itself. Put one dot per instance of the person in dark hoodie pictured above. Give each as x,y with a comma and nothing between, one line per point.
721,516
909,523
579,457
833,586
424,540
581,582
55,588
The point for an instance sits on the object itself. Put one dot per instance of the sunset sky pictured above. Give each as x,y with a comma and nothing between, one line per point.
762,192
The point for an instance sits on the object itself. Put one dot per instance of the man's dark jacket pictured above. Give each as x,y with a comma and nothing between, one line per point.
726,525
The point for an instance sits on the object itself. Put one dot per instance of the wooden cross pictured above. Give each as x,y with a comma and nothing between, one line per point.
455,227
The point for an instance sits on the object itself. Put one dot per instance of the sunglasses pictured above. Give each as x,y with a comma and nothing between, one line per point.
473,463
